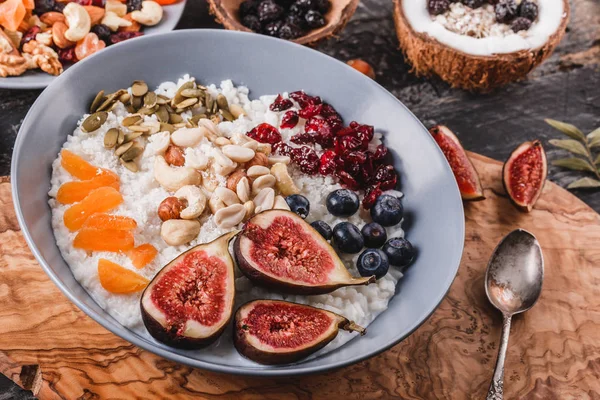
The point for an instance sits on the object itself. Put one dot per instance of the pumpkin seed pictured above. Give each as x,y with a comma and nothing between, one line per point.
179,125
123,148
161,100
108,102
236,110
227,115
125,97
167,127
121,138
162,114
187,103
136,102
113,106
222,102
150,99
209,101
139,88
139,128
94,121
98,100
178,98
130,136
110,138
131,120
175,118
130,108
192,93
133,152
130,165
146,111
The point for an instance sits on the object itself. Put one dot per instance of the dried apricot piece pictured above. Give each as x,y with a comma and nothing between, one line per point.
79,168
112,240
108,221
88,46
142,255
116,279
99,200
72,192
12,13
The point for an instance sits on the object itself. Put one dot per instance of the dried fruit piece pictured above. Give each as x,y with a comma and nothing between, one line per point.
272,251
113,240
280,104
71,192
116,279
190,301
12,13
524,174
265,133
88,46
363,66
142,255
306,158
280,332
463,169
99,200
78,167
109,221
289,120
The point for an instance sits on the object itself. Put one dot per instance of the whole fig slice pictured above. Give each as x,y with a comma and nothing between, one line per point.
280,332
281,251
524,174
190,301
462,167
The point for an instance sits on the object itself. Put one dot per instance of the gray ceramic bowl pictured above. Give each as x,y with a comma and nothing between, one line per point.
435,221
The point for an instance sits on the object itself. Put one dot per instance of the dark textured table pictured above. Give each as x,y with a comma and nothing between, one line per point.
566,87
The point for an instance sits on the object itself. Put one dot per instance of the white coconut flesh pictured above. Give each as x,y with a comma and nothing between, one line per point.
550,16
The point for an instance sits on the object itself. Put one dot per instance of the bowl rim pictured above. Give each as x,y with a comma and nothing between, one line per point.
133,338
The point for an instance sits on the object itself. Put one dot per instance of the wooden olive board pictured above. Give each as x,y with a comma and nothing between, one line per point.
554,350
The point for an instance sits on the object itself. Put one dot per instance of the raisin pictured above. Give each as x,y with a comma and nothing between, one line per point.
43,6
437,7
520,24
289,120
251,22
529,10
122,36
506,11
30,34
265,133
67,55
280,104
314,19
269,11
306,158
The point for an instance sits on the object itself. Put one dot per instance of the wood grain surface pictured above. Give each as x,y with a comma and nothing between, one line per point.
554,350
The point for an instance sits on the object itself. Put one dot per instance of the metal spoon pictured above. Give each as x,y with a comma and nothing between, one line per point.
513,283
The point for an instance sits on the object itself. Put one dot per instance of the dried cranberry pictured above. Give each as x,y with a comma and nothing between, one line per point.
380,153
289,120
385,173
122,36
99,3
389,185
356,157
307,159
310,110
282,149
84,2
67,55
328,163
265,133
303,138
347,143
345,131
30,34
322,130
336,123
371,195
347,180
328,111
280,104
305,100
365,132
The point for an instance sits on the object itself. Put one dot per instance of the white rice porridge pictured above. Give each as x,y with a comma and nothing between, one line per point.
142,195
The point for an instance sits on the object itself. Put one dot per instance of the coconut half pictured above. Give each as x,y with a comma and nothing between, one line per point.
226,13
471,63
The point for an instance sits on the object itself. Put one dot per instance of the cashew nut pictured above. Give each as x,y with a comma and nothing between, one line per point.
174,178
281,204
116,6
150,14
264,200
195,199
114,22
230,216
78,20
285,183
188,137
228,196
159,143
265,181
176,232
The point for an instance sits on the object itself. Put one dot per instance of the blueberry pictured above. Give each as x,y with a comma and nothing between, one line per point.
43,6
323,228
103,32
314,19
373,262
347,238
342,202
298,204
387,210
400,251
374,235
133,5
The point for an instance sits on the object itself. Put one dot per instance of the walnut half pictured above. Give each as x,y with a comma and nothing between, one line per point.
44,57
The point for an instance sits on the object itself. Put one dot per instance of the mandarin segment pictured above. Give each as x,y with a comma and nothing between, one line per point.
116,279
79,168
108,221
72,192
112,240
142,255
99,200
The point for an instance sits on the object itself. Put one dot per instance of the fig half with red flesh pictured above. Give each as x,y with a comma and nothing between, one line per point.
524,174
279,250
464,172
190,301
280,332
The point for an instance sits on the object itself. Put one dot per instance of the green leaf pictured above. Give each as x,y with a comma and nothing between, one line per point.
597,160
584,183
567,129
595,142
576,164
569,144
594,134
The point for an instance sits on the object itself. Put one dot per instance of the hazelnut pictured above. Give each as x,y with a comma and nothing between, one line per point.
174,156
170,208
234,178
259,159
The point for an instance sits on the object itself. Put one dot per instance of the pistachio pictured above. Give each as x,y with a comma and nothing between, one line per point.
228,196
110,100
94,121
110,138
176,232
98,100
281,204
243,189
257,170
238,153
133,152
285,184
130,165
230,216
123,148
265,181
249,206
264,200
139,88
236,110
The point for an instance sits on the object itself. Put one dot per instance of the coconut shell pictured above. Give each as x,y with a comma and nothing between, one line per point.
226,13
466,71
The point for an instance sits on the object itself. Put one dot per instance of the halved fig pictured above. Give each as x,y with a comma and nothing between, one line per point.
524,174
190,301
462,167
280,332
279,250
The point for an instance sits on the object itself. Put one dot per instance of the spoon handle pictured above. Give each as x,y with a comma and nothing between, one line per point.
496,390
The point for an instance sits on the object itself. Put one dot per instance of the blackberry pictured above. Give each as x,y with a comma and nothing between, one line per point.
248,7
290,31
305,4
296,20
103,32
322,6
43,6
506,11
314,19
251,22
272,28
529,10
437,7
269,11
134,5
520,24
473,3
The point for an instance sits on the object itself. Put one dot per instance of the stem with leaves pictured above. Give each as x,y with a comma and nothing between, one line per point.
580,145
